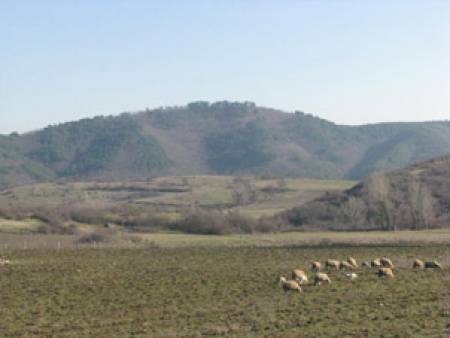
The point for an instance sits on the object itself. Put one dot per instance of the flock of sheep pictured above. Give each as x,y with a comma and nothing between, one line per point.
384,266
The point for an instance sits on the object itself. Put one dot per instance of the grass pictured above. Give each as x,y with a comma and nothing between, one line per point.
157,197
15,240
218,291
22,226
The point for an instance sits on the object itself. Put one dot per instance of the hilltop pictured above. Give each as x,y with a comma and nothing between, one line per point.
221,138
417,197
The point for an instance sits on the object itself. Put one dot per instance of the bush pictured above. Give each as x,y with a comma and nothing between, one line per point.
219,223
99,236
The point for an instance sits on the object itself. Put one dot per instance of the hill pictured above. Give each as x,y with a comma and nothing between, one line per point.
413,198
224,138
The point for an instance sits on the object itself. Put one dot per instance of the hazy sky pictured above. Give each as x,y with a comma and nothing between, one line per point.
347,61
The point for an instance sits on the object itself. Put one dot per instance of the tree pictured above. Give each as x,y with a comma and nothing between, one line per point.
354,212
378,190
421,202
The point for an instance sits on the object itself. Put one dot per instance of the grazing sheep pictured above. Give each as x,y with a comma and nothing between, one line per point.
365,264
387,263
375,263
300,276
385,272
433,265
321,278
418,264
344,265
332,264
351,275
290,285
316,266
4,262
352,261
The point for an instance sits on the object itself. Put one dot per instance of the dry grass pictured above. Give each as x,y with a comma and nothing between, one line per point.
218,291
120,239
165,196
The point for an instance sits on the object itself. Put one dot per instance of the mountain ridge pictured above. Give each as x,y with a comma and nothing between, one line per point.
233,138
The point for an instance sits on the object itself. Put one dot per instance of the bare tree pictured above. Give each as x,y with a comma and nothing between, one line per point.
421,204
354,211
378,189
243,191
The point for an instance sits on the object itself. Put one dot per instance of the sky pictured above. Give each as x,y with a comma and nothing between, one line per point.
351,62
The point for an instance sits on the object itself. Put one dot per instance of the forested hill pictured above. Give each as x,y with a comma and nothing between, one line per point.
417,197
215,138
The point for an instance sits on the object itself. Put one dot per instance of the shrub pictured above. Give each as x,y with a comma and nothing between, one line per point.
99,236
219,223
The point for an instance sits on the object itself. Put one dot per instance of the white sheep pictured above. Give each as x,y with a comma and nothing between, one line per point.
344,265
352,261
351,275
300,276
321,278
290,285
376,263
4,262
418,264
385,272
386,262
316,266
332,264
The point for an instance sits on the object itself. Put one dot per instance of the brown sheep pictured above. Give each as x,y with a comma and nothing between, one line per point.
365,264
321,278
418,264
375,263
344,265
332,264
433,265
352,261
316,266
387,263
300,276
290,285
385,272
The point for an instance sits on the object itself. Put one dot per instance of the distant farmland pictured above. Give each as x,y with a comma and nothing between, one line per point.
164,198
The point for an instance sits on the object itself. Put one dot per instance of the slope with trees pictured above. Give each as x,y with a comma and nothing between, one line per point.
215,138
417,197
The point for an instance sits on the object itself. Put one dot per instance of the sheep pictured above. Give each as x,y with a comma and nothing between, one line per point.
321,278
365,264
375,263
290,285
352,261
4,262
433,265
300,276
418,264
332,264
351,275
386,262
344,265
385,272
316,266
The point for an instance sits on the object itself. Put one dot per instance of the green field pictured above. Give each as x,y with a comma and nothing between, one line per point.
222,289
169,197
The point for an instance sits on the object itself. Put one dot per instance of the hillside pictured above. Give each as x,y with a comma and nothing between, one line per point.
153,204
417,197
225,138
